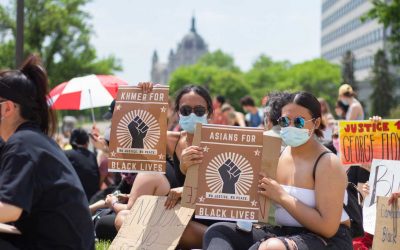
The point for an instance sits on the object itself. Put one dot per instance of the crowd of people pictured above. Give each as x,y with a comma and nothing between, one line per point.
62,197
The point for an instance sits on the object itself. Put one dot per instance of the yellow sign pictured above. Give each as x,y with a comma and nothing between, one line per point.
362,141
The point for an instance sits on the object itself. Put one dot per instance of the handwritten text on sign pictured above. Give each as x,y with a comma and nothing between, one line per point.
387,225
362,141
150,226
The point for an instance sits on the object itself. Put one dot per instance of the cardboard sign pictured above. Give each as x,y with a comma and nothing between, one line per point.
228,174
139,131
362,141
150,226
270,157
383,180
387,234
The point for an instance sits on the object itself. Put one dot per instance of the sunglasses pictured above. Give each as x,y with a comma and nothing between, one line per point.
298,122
187,110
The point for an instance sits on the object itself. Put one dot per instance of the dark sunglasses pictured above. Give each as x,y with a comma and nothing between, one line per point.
187,110
298,122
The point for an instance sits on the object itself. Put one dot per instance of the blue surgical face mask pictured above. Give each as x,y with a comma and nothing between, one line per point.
188,123
294,137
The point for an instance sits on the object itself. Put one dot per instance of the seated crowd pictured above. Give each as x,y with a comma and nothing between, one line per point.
45,192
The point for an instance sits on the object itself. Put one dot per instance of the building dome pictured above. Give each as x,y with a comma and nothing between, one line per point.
192,40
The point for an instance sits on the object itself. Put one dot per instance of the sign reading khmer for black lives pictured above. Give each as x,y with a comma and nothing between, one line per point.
228,176
139,131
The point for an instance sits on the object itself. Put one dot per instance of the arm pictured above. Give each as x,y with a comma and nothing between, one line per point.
9,213
240,119
355,111
325,218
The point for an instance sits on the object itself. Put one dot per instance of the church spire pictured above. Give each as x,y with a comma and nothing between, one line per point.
193,28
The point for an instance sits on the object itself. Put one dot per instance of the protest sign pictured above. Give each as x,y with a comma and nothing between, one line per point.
139,131
270,157
383,180
387,224
150,226
228,174
362,141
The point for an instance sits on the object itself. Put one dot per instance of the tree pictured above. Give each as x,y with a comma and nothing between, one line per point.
348,69
383,84
265,74
387,13
59,32
317,76
220,60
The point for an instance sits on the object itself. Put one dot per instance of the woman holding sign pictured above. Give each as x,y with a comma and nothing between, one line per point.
194,105
309,191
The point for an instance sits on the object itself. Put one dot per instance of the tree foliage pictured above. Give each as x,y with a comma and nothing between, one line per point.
59,31
383,86
387,13
317,76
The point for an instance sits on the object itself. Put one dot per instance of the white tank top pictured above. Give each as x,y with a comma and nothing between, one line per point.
307,196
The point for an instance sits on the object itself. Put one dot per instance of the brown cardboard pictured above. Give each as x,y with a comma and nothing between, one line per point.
190,186
228,174
150,226
139,131
270,157
387,225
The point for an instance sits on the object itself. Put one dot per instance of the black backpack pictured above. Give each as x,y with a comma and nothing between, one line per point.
353,207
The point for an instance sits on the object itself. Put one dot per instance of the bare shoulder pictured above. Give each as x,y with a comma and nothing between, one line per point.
330,165
173,134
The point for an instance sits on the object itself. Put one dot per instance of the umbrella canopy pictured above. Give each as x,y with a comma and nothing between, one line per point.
85,92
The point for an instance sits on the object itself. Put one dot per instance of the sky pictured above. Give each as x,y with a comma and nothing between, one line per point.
132,29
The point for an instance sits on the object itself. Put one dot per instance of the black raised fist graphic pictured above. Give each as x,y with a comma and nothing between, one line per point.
229,173
138,130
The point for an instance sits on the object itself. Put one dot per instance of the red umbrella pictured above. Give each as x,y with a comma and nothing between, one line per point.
85,92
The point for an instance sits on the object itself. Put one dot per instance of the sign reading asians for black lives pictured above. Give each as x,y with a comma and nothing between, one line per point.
228,176
139,131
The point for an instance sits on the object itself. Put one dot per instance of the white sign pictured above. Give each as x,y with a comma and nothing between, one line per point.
383,181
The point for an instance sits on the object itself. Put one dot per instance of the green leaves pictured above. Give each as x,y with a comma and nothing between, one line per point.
59,31
218,72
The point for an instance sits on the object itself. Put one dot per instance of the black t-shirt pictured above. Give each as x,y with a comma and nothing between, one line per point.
85,165
35,175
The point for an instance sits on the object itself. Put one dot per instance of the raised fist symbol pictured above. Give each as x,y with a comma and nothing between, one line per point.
138,130
230,174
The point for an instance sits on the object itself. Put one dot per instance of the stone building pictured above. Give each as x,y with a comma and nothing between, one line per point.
188,51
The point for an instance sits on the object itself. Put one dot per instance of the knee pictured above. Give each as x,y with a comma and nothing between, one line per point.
273,244
119,220
216,230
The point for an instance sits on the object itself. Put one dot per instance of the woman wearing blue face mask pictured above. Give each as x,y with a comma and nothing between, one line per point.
194,105
309,191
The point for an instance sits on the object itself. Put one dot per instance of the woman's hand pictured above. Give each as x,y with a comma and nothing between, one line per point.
111,200
393,198
375,118
146,87
190,156
271,188
174,196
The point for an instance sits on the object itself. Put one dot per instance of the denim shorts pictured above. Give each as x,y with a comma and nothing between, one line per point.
307,240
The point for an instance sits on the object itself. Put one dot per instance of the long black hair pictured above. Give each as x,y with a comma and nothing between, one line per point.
310,102
28,87
199,90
